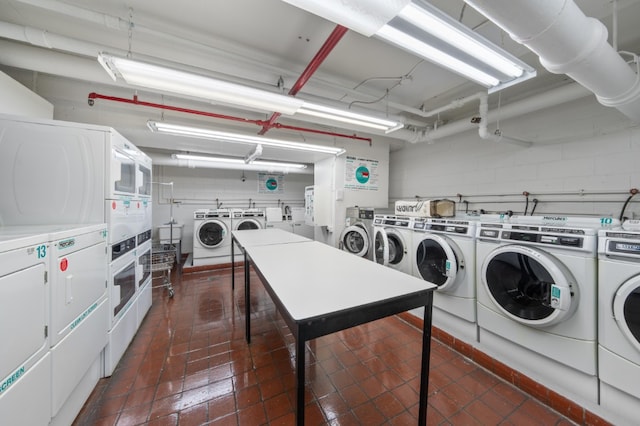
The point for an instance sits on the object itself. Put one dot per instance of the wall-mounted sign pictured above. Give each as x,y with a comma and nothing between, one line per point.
270,183
361,174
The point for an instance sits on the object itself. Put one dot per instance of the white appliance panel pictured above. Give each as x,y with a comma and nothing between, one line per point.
27,401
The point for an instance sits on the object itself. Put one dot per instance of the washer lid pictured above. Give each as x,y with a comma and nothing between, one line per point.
355,240
437,262
626,310
529,286
212,233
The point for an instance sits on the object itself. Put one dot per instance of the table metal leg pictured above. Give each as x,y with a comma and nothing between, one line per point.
247,299
426,355
300,347
233,267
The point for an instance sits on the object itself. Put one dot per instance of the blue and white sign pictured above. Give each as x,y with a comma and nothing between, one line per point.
361,174
270,183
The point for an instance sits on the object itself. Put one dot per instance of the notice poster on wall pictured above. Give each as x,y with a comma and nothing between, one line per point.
270,183
361,174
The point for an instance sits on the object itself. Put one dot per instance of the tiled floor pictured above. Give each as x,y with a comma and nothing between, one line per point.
190,365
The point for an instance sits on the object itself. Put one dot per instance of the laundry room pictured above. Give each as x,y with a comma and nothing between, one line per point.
320,212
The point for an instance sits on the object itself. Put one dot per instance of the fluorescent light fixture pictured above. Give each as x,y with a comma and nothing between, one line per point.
258,164
197,132
164,79
348,117
424,30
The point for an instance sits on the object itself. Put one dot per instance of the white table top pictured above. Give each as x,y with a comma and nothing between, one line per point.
313,279
260,237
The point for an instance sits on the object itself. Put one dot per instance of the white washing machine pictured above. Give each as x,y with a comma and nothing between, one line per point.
25,369
211,237
444,253
619,323
249,219
392,239
537,300
357,236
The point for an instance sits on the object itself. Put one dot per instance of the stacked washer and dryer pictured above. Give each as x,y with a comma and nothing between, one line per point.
75,175
619,322
537,299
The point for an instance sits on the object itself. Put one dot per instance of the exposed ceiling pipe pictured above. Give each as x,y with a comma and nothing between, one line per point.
497,136
568,42
135,101
336,35
548,99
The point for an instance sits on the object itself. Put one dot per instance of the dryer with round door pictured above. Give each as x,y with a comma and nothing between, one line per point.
211,237
444,253
357,236
537,288
392,241
619,323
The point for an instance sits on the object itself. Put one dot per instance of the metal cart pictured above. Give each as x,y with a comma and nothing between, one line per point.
163,256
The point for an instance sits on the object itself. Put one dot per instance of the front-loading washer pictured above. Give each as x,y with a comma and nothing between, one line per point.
536,283
357,236
444,253
392,241
619,322
248,219
211,237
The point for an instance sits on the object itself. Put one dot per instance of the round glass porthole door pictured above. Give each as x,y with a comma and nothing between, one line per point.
626,310
437,262
248,224
355,240
381,247
396,248
212,234
529,286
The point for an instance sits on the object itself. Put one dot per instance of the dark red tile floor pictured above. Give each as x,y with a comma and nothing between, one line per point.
189,364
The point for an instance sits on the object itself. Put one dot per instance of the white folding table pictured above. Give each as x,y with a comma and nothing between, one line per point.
320,290
259,237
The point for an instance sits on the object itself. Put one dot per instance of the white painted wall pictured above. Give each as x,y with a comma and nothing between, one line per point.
16,99
583,161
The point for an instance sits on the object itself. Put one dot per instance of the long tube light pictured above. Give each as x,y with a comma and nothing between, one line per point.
202,133
424,30
165,79
257,165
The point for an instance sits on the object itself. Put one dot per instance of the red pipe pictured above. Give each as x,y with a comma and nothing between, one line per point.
93,96
338,32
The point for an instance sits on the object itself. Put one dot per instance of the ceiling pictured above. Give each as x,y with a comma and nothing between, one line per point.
261,43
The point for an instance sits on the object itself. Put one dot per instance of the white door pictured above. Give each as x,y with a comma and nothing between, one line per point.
437,262
355,240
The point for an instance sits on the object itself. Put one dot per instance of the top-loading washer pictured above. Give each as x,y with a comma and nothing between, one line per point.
211,237
357,236
536,290
392,241
619,322
25,370
444,254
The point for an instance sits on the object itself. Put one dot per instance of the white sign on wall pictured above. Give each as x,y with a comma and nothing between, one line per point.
361,174
270,183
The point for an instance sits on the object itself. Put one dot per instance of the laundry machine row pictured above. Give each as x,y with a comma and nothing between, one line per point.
55,278
212,232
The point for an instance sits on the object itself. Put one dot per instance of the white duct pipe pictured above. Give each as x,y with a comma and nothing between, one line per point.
568,42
